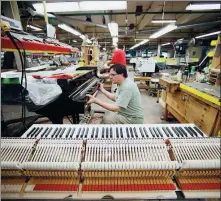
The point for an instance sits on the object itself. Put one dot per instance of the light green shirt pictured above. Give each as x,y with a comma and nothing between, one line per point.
128,98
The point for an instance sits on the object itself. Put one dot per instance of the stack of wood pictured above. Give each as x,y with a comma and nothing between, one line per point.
214,76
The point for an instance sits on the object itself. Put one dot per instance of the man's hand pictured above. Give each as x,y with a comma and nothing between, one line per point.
92,99
101,87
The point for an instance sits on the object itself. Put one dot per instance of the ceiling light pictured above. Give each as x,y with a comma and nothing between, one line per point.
69,29
33,27
140,43
81,6
163,21
82,37
163,31
102,5
74,41
57,7
89,41
113,28
165,44
209,34
204,6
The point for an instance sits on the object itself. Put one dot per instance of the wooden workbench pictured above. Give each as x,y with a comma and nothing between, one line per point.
190,105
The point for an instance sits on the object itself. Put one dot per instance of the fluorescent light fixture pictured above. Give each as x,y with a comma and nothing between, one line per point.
82,37
209,34
141,43
204,6
89,41
113,28
163,31
115,41
102,5
69,29
74,41
81,6
165,44
163,21
33,27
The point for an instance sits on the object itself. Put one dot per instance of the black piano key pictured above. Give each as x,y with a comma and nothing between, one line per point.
37,133
199,131
97,131
78,134
86,133
166,132
152,133
159,132
127,131
72,133
82,133
175,131
117,133
107,133
68,132
92,134
102,136
155,131
184,133
45,131
189,131
58,132
180,133
32,130
145,131
54,132
169,131
135,132
111,133
131,132
62,132
33,134
49,131
141,132
121,133
193,131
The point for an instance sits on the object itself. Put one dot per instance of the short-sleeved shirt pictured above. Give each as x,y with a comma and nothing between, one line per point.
128,98
119,57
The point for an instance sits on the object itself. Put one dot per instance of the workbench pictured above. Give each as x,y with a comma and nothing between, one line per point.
197,103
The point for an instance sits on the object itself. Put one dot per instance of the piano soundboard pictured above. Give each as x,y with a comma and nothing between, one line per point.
128,167
113,131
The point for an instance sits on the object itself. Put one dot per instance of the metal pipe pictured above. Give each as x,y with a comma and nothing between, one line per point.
146,13
185,26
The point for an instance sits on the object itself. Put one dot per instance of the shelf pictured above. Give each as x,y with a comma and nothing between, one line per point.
34,47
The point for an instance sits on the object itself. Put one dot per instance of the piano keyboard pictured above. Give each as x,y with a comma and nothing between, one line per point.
113,131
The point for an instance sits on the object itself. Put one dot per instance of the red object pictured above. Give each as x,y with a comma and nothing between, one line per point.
34,46
119,57
200,186
37,76
61,76
166,140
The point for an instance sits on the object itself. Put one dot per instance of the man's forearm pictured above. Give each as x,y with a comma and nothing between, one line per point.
109,95
111,107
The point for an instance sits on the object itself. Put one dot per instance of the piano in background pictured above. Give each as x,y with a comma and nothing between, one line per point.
73,99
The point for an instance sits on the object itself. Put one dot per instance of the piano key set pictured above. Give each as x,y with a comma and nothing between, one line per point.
113,131
79,161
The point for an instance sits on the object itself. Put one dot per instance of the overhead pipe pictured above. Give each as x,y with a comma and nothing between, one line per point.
143,13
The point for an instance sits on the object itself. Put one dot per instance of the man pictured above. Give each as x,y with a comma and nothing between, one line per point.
118,56
127,101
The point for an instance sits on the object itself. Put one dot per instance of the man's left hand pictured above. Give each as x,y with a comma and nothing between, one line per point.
92,99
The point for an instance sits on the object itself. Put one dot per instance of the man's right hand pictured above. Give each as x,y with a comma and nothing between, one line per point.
101,87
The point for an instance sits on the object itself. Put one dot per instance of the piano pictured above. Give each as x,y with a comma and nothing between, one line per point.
73,99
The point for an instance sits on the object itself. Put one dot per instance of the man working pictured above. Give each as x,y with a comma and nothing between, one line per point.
127,99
